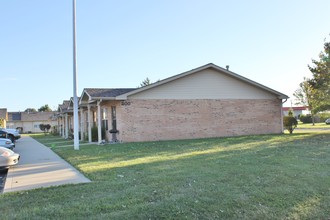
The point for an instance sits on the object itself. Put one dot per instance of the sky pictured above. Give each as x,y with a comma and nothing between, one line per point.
121,43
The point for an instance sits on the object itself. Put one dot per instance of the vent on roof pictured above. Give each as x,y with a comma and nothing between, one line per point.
227,67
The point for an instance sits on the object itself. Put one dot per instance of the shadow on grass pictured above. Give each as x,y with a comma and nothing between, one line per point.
248,177
131,154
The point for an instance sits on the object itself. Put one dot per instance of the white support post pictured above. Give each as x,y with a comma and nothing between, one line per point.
82,127
66,126
282,115
89,124
62,122
99,125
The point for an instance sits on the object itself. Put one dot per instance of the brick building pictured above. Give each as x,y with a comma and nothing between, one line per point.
208,101
28,122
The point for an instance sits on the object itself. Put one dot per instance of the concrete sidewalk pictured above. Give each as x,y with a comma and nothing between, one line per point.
39,167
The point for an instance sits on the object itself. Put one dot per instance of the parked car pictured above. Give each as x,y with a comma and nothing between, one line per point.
8,158
14,132
5,134
7,143
327,121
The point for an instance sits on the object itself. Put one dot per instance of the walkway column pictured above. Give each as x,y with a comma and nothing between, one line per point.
82,127
58,126
89,123
62,127
66,126
99,125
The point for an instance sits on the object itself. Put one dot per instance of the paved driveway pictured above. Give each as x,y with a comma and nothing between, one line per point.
39,167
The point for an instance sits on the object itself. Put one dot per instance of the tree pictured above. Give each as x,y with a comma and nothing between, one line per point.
30,110
44,108
290,113
320,82
2,122
290,123
305,96
44,127
145,82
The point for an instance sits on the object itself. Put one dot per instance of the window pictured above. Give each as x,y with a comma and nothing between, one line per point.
104,114
105,118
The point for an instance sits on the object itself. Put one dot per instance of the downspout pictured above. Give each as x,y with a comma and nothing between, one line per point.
282,115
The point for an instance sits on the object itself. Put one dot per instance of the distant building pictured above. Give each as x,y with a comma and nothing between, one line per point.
3,117
28,122
297,111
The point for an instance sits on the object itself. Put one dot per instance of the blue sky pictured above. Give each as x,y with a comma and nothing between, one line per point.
120,43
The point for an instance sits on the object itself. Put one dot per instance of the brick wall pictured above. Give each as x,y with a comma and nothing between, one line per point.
3,113
152,120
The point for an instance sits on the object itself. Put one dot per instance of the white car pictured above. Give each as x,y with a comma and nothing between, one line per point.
7,143
8,157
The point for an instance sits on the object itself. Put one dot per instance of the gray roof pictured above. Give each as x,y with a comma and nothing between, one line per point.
97,93
65,106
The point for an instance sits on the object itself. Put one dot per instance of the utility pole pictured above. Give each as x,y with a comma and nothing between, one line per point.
75,98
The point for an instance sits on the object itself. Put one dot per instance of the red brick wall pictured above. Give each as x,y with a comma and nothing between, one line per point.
152,120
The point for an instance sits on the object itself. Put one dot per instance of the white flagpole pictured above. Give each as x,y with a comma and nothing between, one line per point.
75,98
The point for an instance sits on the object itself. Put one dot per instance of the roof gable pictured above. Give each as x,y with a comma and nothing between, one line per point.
64,107
206,82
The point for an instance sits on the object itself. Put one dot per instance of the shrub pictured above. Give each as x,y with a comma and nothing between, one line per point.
54,130
308,119
289,123
94,134
324,116
305,119
45,127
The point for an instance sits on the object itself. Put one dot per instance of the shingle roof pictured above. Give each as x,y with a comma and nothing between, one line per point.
106,93
65,106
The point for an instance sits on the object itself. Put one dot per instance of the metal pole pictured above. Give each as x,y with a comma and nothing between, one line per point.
75,98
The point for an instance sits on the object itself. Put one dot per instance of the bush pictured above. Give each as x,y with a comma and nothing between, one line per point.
308,119
323,116
45,127
94,134
289,123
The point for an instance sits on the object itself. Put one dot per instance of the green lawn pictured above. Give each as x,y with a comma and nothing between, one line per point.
321,125
248,177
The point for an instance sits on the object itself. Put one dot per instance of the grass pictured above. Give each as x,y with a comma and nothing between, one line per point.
248,177
321,125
